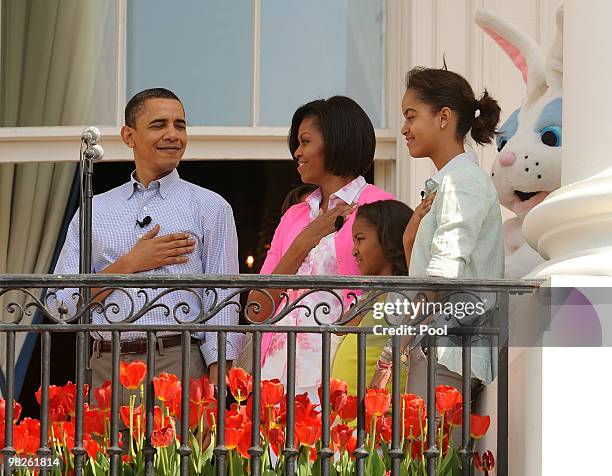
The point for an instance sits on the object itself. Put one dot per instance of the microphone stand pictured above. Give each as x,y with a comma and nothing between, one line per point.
90,152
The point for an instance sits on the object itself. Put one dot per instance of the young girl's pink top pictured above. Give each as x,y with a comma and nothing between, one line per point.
333,255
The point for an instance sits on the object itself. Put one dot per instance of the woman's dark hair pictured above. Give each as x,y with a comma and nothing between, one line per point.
390,218
442,88
347,132
295,195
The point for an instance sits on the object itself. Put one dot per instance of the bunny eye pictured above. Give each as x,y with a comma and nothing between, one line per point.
551,136
502,142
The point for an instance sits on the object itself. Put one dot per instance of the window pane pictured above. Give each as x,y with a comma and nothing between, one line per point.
200,49
319,48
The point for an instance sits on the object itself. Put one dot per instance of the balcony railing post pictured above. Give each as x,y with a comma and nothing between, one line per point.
290,451
9,450
464,452
79,449
114,450
396,454
184,450
432,452
220,450
149,450
256,450
45,362
325,453
361,453
503,300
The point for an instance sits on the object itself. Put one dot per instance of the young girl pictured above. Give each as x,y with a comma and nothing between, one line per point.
461,236
378,249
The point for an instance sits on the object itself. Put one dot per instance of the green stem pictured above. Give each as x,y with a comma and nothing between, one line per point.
441,442
231,462
132,400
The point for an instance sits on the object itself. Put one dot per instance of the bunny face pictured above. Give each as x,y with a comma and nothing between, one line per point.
528,165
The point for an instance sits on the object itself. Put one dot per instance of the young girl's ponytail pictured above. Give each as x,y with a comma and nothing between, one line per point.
486,117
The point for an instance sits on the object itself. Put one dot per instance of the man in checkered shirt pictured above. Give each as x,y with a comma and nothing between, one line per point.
156,223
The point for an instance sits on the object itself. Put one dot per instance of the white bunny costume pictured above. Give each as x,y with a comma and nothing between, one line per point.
528,166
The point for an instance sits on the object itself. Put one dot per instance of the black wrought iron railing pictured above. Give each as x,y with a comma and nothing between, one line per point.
209,295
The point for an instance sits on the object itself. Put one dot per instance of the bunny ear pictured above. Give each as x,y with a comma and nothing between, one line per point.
520,48
554,60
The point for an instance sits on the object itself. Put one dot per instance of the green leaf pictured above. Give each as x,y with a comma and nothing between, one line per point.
236,462
376,466
269,472
209,469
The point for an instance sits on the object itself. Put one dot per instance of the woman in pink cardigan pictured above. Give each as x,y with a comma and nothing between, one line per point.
332,142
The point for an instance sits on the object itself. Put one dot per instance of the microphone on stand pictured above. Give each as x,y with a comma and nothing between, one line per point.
145,221
94,153
91,136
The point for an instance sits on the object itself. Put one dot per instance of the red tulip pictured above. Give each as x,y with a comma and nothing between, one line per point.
92,447
479,425
163,437
377,401
132,375
235,418
308,432
413,422
244,441
447,398
103,396
166,386
16,411
272,392
174,406
54,392
337,394
276,436
235,422
33,427
486,464
94,421
349,411
411,400
240,383
20,438
454,417
384,429
200,391
341,435
67,396
57,411
351,446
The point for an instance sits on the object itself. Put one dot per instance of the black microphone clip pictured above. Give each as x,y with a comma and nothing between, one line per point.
145,221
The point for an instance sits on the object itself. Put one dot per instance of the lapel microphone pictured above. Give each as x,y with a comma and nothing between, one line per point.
145,221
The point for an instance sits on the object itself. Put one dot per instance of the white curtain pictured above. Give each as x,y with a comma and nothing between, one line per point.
50,49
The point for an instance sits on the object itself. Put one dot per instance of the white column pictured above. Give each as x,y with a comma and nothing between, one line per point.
572,228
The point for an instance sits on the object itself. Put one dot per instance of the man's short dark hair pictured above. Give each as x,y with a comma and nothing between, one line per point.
135,105
347,132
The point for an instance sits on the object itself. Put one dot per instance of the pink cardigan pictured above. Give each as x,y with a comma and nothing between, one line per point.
295,220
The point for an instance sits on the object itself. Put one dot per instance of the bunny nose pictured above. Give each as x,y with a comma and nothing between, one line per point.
507,159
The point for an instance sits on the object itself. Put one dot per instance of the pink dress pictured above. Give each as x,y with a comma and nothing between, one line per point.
332,256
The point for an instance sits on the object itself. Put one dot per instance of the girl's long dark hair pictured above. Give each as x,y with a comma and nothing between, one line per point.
390,218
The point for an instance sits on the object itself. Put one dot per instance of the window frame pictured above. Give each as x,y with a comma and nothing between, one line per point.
61,143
